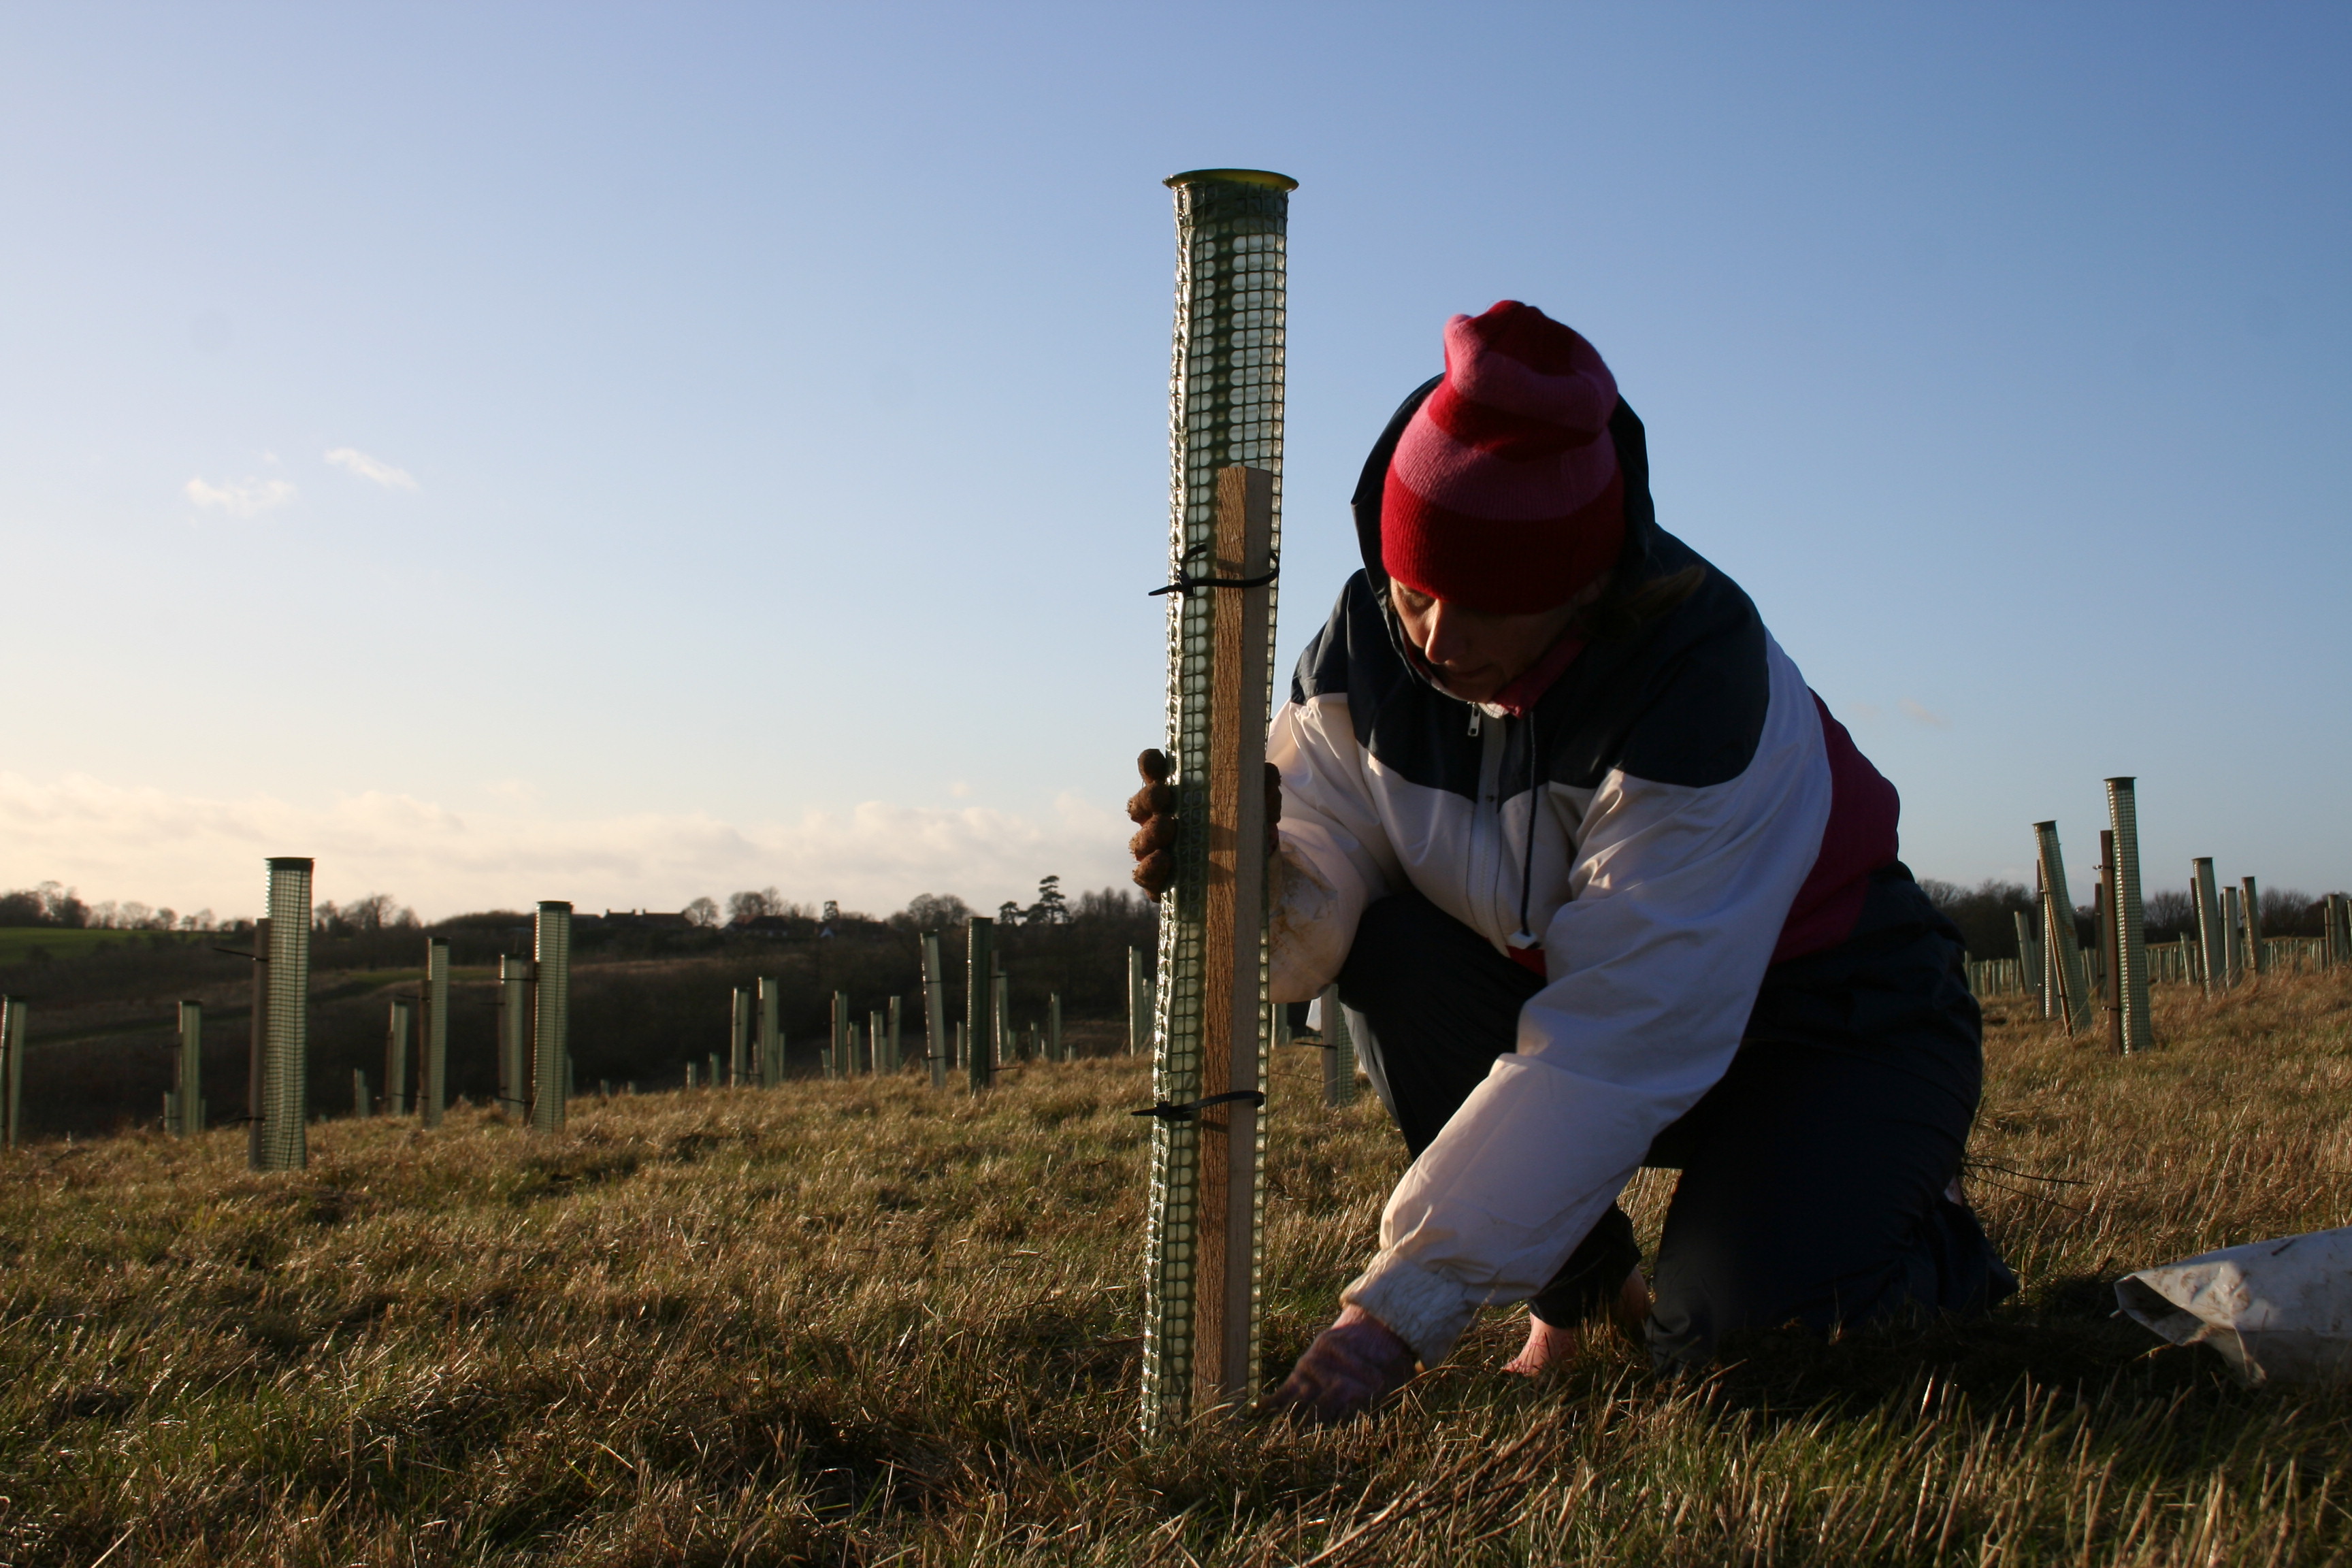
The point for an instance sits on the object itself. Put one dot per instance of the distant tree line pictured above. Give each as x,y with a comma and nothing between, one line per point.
60,907
377,912
1985,913
63,908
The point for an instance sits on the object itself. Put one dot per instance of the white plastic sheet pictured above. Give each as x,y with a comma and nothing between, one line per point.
2277,1311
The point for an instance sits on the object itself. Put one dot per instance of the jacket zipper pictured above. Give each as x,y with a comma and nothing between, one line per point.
1486,829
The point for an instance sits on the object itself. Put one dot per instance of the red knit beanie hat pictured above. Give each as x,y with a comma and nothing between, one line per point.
1504,493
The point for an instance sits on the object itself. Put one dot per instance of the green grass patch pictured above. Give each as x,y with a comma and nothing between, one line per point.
19,943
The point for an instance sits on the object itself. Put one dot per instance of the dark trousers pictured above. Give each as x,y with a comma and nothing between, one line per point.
1813,1174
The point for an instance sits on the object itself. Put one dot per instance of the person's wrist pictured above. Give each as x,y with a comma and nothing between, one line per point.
1375,1337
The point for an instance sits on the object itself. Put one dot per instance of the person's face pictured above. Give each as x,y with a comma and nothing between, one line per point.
1476,653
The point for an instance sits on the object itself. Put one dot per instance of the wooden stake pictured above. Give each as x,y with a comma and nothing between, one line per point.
1232,990
2108,915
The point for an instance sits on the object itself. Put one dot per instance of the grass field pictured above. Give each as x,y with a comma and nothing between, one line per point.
861,1323
19,943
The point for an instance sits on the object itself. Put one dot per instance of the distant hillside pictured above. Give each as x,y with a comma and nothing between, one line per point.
647,1000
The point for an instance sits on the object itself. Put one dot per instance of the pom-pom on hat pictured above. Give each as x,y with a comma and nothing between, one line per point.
1504,493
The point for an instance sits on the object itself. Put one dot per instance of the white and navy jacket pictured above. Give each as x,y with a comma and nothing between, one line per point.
1673,814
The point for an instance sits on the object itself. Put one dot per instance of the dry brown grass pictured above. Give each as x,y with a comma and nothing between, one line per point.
867,1323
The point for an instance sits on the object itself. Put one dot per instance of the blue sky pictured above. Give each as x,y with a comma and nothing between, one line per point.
625,453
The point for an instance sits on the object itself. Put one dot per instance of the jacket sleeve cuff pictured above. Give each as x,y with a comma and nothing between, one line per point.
1426,1310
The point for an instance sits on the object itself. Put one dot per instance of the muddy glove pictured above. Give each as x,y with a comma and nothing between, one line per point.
1154,807
1351,1366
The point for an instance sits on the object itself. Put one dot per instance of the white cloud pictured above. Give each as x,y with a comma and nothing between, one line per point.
1925,714
245,498
117,842
369,468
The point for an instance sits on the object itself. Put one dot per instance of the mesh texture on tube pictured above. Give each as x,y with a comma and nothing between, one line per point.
1340,1064
402,1026
188,1099
936,1041
514,1036
1225,407
2212,950
2065,950
550,1015
285,1043
2131,916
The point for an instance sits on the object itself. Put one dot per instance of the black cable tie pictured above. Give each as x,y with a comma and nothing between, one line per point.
1185,582
1191,1110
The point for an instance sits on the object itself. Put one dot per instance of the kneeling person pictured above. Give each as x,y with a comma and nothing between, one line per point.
1602,885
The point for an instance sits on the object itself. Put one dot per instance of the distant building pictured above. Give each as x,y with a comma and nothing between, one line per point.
648,919
773,927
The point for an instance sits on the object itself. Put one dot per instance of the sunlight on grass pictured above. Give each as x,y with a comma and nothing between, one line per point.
859,1322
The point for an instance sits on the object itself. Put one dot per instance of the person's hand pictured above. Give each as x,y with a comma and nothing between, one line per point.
1154,807
1351,1366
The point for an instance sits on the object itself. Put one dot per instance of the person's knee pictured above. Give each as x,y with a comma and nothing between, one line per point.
1699,1295
1711,1287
